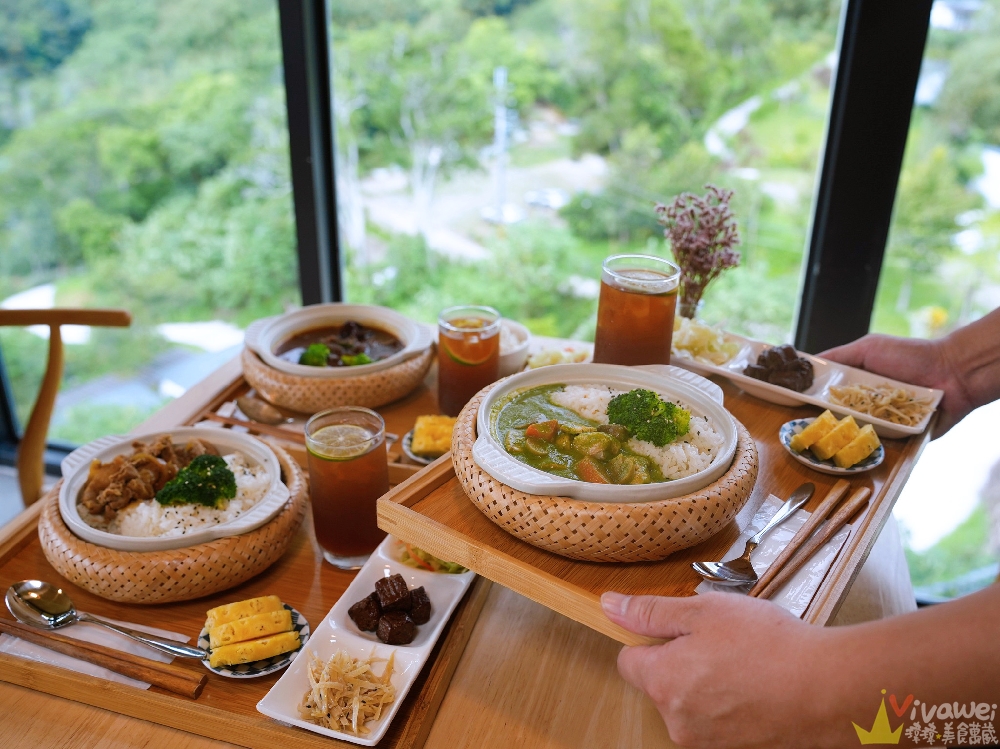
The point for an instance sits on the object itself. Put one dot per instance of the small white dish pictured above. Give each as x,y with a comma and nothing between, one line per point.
407,445
338,632
700,396
266,665
827,374
790,428
76,466
513,360
264,336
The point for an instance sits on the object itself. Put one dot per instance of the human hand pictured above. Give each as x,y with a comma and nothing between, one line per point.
738,671
911,360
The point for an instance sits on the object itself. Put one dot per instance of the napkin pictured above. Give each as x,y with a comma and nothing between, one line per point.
796,594
99,636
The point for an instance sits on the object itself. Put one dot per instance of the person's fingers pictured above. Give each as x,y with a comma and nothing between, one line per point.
655,616
852,354
636,665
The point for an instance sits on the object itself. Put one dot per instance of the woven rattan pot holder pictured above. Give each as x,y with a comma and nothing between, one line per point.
176,574
311,394
604,532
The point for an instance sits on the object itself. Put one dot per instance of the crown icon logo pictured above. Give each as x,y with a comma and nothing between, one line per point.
881,732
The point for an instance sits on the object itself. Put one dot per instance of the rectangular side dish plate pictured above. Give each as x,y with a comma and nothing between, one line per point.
827,374
338,632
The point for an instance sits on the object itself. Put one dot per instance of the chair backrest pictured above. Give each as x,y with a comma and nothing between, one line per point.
31,450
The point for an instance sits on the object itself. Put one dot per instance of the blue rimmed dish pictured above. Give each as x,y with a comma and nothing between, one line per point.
264,666
790,428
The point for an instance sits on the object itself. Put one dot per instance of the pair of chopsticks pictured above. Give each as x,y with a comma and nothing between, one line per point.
164,675
260,428
788,561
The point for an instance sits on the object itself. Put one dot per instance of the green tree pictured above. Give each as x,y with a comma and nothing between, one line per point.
970,102
37,35
929,198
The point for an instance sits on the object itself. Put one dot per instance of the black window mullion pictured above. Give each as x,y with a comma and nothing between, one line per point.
10,430
308,97
881,51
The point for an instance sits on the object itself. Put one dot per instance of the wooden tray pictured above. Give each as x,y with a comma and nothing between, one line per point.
226,710
432,511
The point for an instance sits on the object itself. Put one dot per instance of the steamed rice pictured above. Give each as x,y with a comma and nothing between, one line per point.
151,519
685,456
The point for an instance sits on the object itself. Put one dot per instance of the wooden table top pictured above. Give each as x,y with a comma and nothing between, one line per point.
529,677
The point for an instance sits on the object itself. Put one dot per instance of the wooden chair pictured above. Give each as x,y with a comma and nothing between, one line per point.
31,450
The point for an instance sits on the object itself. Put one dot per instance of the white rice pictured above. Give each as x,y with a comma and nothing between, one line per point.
686,456
150,518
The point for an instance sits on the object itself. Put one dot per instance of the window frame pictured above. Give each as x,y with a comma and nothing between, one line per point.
871,103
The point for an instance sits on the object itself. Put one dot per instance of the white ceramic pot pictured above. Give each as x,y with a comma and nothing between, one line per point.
700,396
513,361
76,466
265,336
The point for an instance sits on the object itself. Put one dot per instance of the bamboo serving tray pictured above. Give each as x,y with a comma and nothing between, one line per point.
432,511
226,709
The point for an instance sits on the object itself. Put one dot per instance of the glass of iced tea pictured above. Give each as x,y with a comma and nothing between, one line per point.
468,354
348,472
635,314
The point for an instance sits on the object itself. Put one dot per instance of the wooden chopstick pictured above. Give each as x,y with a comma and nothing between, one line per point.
256,426
834,524
837,491
164,675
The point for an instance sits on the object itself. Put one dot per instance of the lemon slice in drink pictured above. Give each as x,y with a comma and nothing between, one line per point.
341,441
467,348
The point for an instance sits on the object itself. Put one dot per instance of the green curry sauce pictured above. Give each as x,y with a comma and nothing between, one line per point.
577,448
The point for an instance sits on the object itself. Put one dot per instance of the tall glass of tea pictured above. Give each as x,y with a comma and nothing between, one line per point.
635,314
348,472
468,354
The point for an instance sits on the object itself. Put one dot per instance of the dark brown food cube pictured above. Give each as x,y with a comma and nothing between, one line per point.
393,593
396,628
420,611
365,613
756,371
787,353
770,359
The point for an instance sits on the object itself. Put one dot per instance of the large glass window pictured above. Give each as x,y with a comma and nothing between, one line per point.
942,270
144,165
495,151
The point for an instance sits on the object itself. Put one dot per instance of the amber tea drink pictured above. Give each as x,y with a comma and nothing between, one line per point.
348,472
635,313
468,354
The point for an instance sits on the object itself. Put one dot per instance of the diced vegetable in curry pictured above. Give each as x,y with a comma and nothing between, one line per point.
559,441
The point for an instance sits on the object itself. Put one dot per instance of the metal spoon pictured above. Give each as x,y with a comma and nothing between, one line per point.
261,411
43,605
739,571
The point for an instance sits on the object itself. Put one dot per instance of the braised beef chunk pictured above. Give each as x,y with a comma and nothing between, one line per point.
782,365
393,594
396,628
365,613
420,611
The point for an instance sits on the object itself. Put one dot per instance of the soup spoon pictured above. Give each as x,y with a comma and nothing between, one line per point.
264,413
739,571
43,605
261,411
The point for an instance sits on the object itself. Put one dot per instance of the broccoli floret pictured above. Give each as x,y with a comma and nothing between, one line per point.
352,360
206,480
316,355
648,417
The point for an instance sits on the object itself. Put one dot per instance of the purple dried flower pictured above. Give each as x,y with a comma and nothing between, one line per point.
702,234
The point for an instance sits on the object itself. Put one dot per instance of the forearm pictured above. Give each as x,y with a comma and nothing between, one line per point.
944,654
973,353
